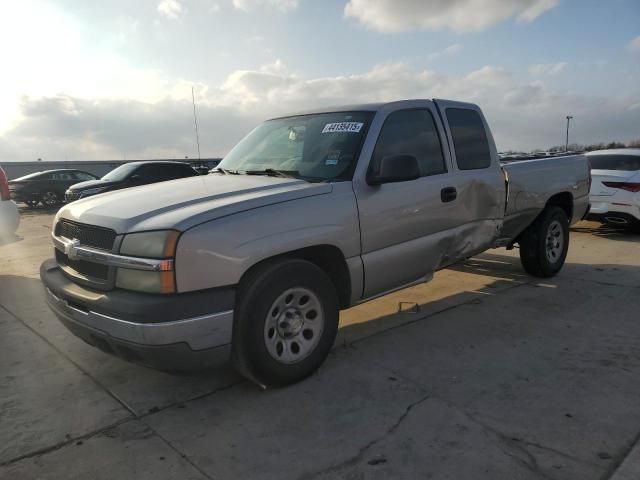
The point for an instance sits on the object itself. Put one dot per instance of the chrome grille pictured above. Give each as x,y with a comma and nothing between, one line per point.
88,235
88,269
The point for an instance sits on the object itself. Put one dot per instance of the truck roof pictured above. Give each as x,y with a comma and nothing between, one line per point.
374,107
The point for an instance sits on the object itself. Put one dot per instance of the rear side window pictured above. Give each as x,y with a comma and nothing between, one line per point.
411,132
62,176
469,139
615,162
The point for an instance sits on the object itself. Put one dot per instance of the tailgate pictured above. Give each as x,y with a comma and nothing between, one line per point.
599,189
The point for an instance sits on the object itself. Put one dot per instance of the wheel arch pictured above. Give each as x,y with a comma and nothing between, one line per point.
328,258
564,200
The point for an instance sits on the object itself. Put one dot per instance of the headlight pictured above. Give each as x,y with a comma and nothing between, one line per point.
92,191
158,244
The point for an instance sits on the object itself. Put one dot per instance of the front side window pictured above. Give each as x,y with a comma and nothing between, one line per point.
179,171
151,173
469,139
83,176
316,147
411,132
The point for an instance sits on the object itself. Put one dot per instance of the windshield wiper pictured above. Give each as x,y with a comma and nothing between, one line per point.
227,172
272,172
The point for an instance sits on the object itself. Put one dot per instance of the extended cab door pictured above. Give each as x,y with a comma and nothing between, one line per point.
406,227
476,176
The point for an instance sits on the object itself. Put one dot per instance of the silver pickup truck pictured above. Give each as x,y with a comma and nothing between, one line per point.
307,215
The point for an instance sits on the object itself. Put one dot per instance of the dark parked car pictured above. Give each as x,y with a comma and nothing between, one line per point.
46,187
131,174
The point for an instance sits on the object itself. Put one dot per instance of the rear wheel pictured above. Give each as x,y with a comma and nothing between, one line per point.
32,203
49,199
285,323
545,243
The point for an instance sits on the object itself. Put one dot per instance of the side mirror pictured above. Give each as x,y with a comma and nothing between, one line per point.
395,168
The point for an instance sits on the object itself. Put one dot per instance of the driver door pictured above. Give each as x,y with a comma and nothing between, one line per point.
405,226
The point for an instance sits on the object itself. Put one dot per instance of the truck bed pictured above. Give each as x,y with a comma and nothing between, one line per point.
532,183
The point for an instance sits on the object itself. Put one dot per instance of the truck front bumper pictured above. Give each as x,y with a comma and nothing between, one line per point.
149,333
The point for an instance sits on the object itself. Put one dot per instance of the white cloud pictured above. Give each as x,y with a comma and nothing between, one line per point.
250,5
543,69
170,8
457,15
522,116
634,45
450,50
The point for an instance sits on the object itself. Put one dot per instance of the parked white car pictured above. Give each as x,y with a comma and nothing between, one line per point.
615,189
9,215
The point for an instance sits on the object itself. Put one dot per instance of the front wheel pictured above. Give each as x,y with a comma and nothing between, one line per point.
286,321
545,243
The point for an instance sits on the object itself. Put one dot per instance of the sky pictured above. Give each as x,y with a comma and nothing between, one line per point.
113,80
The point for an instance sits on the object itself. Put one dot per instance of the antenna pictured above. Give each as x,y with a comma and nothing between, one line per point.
195,121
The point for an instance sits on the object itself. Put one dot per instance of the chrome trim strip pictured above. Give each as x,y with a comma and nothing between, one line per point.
75,251
199,333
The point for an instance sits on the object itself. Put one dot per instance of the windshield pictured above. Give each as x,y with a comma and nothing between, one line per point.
312,147
120,173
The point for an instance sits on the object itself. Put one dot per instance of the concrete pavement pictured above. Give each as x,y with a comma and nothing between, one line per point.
488,373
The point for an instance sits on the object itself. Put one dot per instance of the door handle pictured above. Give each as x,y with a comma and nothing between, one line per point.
448,194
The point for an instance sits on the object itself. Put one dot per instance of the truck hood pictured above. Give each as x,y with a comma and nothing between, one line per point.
182,204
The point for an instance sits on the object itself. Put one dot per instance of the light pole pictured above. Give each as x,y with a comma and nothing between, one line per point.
566,145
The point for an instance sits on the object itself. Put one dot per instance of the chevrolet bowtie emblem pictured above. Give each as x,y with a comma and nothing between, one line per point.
70,249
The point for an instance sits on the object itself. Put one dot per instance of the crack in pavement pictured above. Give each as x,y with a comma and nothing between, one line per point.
133,416
529,462
68,441
363,450
504,443
619,460
68,359
176,450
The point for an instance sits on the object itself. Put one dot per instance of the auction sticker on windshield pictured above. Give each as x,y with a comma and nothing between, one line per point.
341,127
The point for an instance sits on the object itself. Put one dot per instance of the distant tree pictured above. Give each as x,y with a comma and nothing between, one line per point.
615,145
634,143
595,146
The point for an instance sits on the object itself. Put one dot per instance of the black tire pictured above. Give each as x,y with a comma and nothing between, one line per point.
32,203
50,199
257,293
535,239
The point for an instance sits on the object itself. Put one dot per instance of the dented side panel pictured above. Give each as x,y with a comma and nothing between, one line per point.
533,182
407,230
